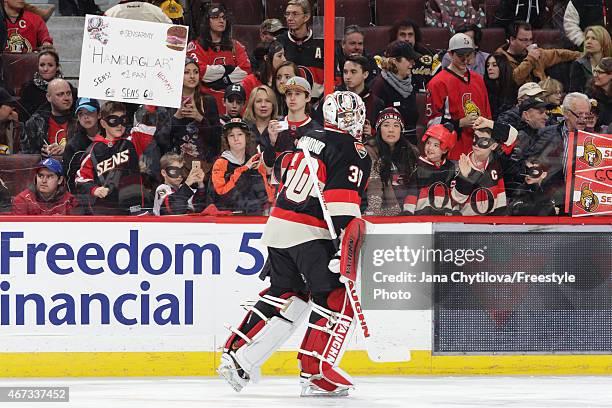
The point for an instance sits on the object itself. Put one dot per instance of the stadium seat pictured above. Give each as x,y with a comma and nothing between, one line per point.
18,68
435,38
376,39
548,38
248,35
492,38
245,11
353,11
389,11
421,99
17,171
490,8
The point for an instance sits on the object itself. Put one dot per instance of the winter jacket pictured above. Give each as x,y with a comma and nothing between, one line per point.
582,14
235,187
580,73
74,153
173,201
112,164
29,202
532,70
36,132
532,200
531,11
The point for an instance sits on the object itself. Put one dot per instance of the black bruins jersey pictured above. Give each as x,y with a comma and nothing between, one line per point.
429,190
343,169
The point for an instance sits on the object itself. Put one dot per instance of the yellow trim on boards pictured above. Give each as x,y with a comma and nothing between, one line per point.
169,364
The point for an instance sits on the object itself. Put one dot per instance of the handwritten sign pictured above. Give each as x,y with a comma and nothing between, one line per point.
132,61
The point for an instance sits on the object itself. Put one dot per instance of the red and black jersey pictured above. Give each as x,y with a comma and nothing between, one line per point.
26,33
451,98
112,164
286,139
429,191
308,56
482,192
343,168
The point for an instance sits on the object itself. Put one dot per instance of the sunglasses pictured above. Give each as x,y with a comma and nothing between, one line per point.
114,120
174,172
483,142
533,172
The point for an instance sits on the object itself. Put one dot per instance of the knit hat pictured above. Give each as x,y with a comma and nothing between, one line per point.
389,113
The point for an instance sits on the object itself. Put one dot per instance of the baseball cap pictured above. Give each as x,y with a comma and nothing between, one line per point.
299,84
272,25
236,122
401,49
92,105
52,165
6,98
534,103
235,90
461,44
529,89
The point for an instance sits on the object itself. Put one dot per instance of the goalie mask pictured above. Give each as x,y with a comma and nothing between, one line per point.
344,111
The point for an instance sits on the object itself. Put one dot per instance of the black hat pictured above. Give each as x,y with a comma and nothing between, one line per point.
6,98
534,103
236,122
235,89
401,49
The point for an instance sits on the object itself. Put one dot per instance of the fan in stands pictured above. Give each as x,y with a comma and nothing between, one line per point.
300,248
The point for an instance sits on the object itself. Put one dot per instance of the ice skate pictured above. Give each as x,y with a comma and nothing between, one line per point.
311,390
232,373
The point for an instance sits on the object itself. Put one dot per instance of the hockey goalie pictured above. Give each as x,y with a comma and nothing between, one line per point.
304,269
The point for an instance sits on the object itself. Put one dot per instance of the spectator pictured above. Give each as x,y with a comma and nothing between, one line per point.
261,108
355,75
531,199
430,188
458,95
195,129
110,174
5,198
394,85
553,95
283,73
393,165
48,195
512,116
427,64
80,138
353,44
222,60
9,120
529,62
600,88
240,184
597,45
179,195
478,63
46,130
270,29
274,57
138,10
300,45
233,102
34,92
78,8
500,86
27,31
533,12
593,119
296,124
581,14
453,13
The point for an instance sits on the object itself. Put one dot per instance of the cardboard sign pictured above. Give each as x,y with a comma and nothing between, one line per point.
132,61
590,190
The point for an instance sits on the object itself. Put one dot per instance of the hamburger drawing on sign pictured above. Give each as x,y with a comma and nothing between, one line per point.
176,38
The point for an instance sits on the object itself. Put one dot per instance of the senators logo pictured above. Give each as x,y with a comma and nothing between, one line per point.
361,150
469,106
588,200
592,155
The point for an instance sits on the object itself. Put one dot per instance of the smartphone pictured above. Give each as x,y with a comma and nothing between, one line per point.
186,100
283,125
195,165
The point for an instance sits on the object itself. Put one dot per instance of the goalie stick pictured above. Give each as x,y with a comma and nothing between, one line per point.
348,273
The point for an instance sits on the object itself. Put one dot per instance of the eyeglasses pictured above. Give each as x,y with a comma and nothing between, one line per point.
483,142
293,14
114,120
583,116
174,171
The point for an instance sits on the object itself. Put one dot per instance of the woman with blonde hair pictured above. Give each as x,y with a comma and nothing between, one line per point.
597,45
394,84
261,108
553,95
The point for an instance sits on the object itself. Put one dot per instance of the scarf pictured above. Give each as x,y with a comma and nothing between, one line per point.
43,83
402,86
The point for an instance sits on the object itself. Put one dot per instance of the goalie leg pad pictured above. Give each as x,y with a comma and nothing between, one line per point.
267,325
329,328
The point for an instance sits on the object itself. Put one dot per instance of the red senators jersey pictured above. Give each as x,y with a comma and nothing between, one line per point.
26,33
482,192
429,191
308,56
343,168
451,98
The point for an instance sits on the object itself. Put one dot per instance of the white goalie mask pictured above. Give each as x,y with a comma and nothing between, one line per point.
344,111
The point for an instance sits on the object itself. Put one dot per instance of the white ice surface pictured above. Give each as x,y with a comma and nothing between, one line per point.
371,392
